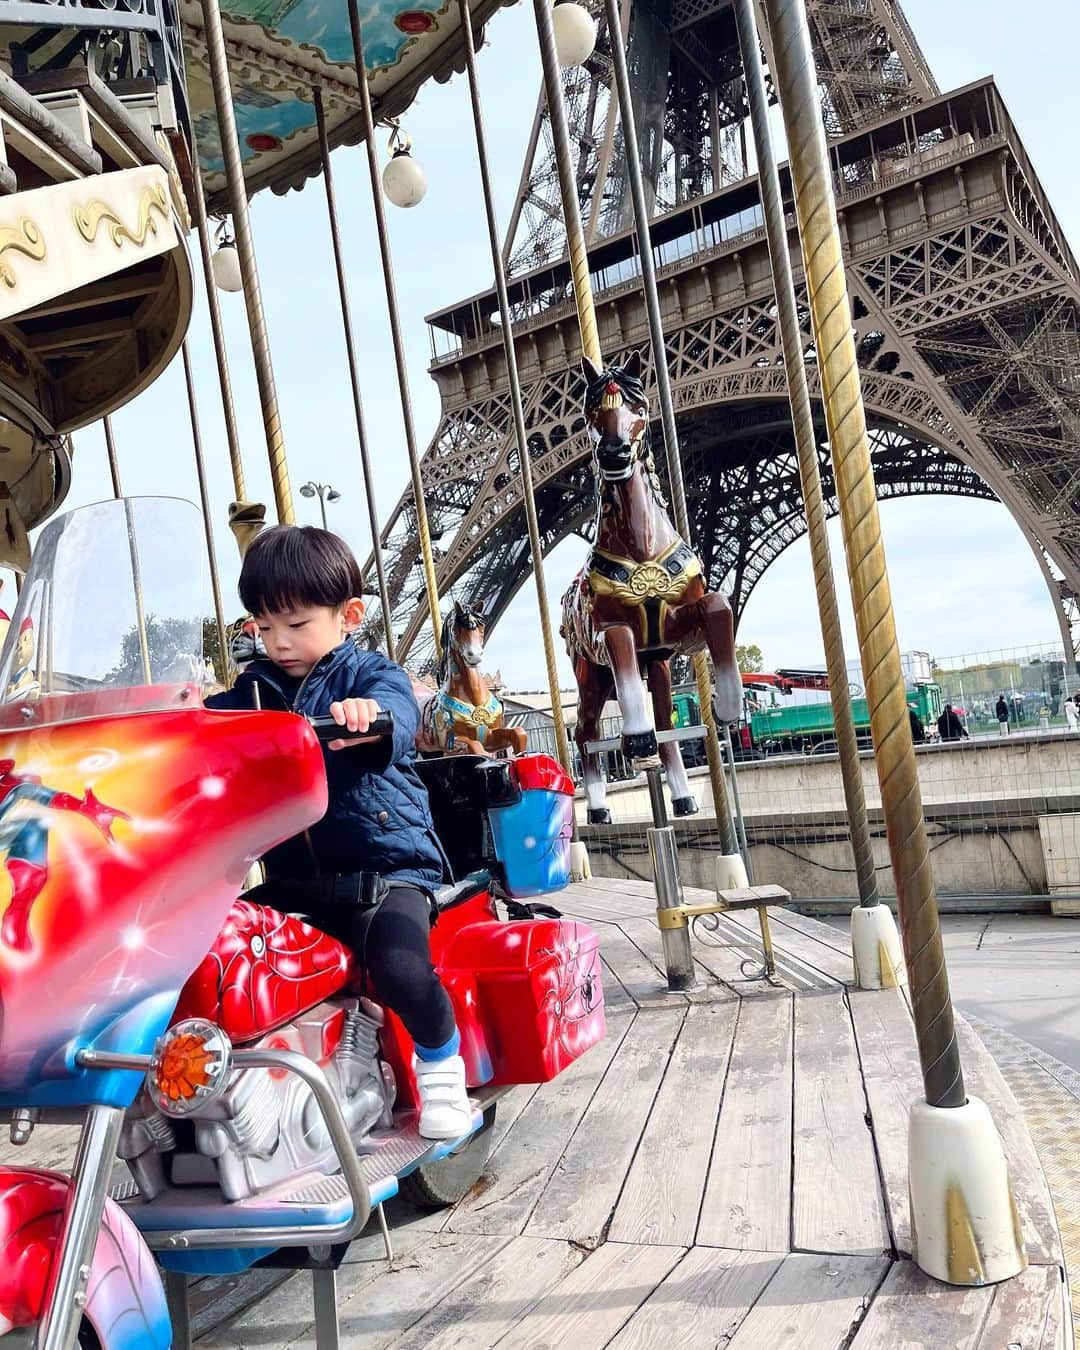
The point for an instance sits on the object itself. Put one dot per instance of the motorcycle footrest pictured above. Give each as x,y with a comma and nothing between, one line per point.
315,1198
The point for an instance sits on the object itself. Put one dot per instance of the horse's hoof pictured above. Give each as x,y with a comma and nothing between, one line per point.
684,806
639,744
599,815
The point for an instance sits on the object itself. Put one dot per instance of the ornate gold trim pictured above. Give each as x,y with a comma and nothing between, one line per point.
179,196
88,220
24,238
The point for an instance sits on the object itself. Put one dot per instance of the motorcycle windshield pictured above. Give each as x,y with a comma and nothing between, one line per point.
110,617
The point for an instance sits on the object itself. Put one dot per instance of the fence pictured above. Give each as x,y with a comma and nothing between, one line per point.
1001,798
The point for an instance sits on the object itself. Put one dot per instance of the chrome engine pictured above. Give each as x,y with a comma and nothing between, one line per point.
267,1127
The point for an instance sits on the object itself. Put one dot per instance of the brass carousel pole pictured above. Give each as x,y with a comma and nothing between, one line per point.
204,498
535,542
245,251
729,841
354,374
949,1160
232,434
878,958
423,532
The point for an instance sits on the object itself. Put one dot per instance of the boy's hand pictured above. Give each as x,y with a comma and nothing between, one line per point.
356,715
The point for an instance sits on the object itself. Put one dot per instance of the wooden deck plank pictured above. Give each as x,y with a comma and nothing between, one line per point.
482,1309
747,1201
582,1192
838,1205
790,942
585,1310
912,1312
661,1199
519,1168
645,935
402,1294
616,997
701,1302
812,1303
377,1299
885,1036
983,1079
637,974
1028,1312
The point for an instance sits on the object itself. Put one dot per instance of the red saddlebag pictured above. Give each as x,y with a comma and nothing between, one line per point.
540,998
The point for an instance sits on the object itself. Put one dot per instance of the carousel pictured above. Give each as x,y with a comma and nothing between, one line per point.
695,1114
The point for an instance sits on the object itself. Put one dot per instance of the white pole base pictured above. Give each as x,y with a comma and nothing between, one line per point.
579,862
876,949
964,1226
731,872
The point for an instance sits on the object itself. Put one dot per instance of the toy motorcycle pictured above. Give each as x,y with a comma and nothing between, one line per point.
220,1048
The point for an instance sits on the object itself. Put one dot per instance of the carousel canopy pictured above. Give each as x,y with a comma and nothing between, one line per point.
279,49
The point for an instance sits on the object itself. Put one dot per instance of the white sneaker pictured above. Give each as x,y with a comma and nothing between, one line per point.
445,1110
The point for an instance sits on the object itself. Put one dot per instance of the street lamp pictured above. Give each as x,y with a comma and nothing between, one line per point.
324,492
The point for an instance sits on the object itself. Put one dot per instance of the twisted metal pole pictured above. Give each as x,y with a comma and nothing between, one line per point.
729,840
560,138
204,499
830,310
354,374
390,287
528,492
245,252
802,421
202,227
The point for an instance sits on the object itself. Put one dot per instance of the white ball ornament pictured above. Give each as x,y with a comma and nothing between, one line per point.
225,265
575,33
403,180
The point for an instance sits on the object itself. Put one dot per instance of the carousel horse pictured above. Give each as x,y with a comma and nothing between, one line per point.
464,716
640,598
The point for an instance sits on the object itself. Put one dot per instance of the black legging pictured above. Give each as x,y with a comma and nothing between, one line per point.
392,944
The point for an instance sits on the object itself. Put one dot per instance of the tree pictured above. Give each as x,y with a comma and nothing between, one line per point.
172,648
749,657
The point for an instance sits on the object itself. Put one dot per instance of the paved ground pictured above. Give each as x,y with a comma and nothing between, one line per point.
1020,972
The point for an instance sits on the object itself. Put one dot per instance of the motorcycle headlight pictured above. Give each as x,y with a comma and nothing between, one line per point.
191,1067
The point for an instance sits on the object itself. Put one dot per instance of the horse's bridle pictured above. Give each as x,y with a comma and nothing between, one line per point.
615,460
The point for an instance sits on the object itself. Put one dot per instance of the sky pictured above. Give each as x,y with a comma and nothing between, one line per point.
963,578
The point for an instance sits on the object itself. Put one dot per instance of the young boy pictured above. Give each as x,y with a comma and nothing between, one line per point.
303,587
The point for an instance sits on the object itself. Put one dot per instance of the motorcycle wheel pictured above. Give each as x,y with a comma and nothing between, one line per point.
438,1184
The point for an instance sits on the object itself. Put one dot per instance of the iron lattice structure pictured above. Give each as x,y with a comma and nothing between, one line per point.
964,290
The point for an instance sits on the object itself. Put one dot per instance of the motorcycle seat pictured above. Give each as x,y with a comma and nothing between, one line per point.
457,892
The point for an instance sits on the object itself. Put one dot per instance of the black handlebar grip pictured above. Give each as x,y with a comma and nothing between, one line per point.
326,729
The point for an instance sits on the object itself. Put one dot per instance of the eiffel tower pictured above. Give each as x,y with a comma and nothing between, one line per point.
964,290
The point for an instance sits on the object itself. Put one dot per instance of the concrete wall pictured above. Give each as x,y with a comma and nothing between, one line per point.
998,770
983,802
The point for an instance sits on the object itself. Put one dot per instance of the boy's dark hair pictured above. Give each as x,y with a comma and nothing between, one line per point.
292,566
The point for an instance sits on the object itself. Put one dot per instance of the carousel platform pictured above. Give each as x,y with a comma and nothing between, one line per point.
727,1169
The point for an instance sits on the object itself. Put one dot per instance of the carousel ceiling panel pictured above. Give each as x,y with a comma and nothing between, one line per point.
279,49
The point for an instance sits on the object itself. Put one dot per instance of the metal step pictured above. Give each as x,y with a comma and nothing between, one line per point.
315,1197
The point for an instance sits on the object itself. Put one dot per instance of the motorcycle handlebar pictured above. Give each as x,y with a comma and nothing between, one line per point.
326,729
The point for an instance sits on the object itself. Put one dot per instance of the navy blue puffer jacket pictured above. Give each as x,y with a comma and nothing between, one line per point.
378,818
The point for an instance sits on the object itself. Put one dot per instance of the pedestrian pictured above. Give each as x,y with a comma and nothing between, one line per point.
949,726
1001,709
1072,713
918,731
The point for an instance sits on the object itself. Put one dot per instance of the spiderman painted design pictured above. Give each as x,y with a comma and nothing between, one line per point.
24,840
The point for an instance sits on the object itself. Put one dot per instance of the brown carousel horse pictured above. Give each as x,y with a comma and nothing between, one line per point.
640,598
464,716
